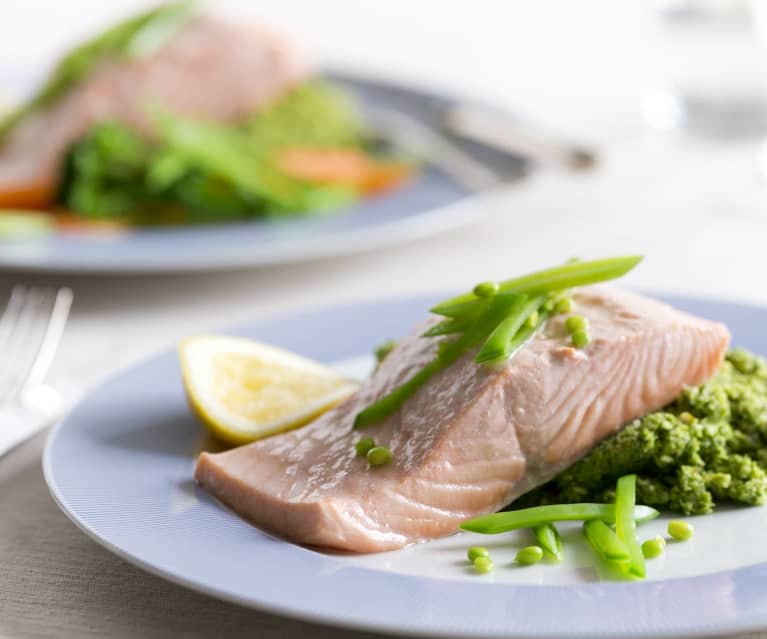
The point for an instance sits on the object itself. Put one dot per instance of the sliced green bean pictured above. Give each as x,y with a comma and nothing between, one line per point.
549,539
625,526
537,515
605,541
497,346
553,279
449,326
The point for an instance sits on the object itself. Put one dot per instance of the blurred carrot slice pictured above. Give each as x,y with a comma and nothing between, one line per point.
349,167
69,222
385,176
35,194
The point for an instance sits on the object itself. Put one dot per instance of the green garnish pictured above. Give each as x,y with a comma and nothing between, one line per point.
563,305
477,551
201,171
654,547
580,339
497,348
576,323
554,279
386,405
538,515
549,539
529,555
379,456
382,350
625,526
680,530
486,289
137,36
501,318
605,541
483,565
363,446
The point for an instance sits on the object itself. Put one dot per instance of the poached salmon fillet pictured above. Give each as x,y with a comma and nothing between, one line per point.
473,438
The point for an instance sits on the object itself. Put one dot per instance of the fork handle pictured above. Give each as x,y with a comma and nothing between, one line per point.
506,133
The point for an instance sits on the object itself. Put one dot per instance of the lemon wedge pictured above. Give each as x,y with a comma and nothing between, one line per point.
243,390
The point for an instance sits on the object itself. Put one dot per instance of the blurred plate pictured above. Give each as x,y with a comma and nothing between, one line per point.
121,467
432,203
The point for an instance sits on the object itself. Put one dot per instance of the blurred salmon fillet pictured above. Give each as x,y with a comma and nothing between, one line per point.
212,68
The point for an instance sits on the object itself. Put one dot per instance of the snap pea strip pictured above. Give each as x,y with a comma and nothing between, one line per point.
547,281
625,527
606,543
538,515
549,539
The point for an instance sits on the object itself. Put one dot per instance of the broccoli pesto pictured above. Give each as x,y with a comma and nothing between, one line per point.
708,446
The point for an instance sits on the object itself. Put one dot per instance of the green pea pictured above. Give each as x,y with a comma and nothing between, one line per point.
532,319
364,445
563,305
379,456
529,555
477,551
680,530
576,323
483,565
653,548
580,339
486,289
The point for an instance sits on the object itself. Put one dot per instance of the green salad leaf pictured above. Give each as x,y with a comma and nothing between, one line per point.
203,171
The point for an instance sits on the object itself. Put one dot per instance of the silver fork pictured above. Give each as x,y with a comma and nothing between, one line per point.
31,328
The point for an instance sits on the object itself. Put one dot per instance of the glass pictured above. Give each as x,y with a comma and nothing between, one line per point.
710,59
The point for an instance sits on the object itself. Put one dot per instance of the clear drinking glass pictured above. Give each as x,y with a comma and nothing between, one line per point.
710,66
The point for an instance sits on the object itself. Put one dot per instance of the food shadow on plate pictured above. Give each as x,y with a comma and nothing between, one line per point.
176,434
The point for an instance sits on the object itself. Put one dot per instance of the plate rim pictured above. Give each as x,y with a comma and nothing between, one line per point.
755,621
455,215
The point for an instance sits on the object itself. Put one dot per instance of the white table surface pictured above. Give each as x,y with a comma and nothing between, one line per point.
697,209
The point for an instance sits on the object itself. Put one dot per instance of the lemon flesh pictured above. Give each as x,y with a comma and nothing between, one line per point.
243,390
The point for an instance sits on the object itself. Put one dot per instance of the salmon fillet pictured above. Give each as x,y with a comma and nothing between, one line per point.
473,438
212,68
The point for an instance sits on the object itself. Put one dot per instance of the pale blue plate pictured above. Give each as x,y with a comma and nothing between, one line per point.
121,464
432,203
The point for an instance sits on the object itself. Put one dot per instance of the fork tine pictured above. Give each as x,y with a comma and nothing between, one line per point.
11,314
22,327
62,303
33,332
